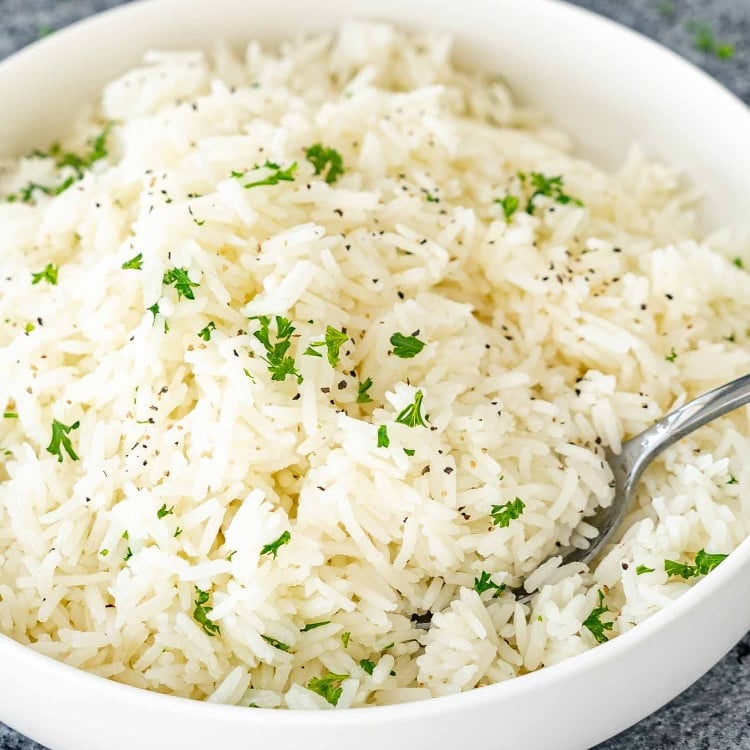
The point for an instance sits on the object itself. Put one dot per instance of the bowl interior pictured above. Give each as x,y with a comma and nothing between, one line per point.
607,86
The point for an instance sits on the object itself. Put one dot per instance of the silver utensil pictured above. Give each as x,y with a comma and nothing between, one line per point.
638,453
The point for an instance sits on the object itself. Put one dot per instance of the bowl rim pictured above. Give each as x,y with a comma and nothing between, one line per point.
560,673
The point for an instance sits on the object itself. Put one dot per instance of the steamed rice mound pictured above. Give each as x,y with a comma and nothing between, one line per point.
215,513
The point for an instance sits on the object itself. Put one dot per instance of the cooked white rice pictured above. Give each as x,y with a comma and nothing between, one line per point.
546,336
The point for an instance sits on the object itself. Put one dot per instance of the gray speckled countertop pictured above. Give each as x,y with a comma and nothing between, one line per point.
713,714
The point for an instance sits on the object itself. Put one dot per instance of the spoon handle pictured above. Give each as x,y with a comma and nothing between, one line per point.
676,425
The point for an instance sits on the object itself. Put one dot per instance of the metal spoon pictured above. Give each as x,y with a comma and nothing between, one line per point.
638,453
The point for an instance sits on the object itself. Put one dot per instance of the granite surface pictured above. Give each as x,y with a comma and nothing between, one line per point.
713,714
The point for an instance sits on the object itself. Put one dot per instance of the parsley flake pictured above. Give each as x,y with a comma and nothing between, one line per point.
275,643
10,415
406,347
509,204
333,341
201,613
277,174
704,40
329,686
383,440
705,562
134,264
345,638
273,547
61,441
367,665
49,274
182,283
411,415
593,623
672,356
551,187
205,332
502,515
739,262
641,569
164,511
484,583
279,364
363,397
327,162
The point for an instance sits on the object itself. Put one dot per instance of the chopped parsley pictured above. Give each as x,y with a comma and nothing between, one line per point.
275,643
641,569
313,625
593,623
327,162
406,347
411,415
10,415
672,356
205,332
333,341
179,277
61,441
98,150
484,583
367,665
363,397
104,552
704,40
49,274
273,547
345,638
502,515
509,204
329,686
128,554
550,187
409,451
383,440
732,479
177,532
134,264
277,174
201,613
164,511
430,198
705,562
739,262
279,364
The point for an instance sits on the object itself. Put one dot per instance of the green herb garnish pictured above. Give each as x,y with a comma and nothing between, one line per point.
177,532
363,397
61,441
551,187
406,347
705,41
594,624
739,262
641,569
134,264
484,583
275,643
509,204
273,547
164,511
345,638
333,341
10,415
411,415
383,440
367,665
705,562
279,364
672,356
732,479
205,332
182,283
201,613
409,451
49,274
502,515
329,686
277,174
326,160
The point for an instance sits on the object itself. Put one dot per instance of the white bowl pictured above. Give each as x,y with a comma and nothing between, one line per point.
607,85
